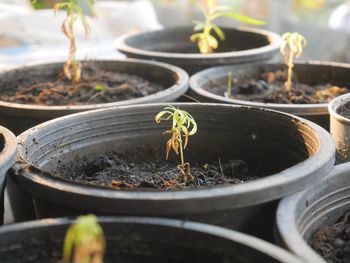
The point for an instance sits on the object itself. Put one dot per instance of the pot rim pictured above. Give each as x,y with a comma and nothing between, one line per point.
334,105
9,153
274,39
324,158
298,109
181,84
286,218
250,241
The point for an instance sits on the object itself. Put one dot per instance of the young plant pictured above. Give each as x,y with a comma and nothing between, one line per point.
292,46
183,126
72,68
84,242
205,39
228,93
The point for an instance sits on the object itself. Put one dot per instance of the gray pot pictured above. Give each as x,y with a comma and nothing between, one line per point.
300,215
20,117
133,239
290,152
310,73
8,154
340,127
173,46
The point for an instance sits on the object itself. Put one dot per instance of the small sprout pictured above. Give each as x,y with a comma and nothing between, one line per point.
84,241
229,85
100,87
72,68
205,40
182,122
292,46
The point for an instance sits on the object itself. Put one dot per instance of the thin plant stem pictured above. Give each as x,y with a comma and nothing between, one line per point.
181,152
290,72
229,85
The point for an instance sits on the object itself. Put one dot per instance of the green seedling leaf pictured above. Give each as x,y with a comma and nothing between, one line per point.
84,241
100,87
240,18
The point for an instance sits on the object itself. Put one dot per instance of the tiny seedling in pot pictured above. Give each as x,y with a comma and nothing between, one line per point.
84,242
228,93
206,41
183,126
292,46
72,68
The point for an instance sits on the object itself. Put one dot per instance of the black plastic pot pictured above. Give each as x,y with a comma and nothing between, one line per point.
132,239
300,215
311,73
340,126
8,154
20,117
173,45
287,153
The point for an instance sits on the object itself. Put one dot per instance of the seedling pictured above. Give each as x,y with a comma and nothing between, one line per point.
184,126
292,46
205,40
229,85
72,68
84,242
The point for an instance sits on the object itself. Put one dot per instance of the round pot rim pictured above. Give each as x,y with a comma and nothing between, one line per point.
250,241
9,153
333,106
290,175
275,40
181,84
301,109
286,219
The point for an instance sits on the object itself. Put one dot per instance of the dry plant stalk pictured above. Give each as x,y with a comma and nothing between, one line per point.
292,46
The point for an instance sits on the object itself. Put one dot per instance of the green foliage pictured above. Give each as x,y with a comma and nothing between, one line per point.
37,4
84,241
183,126
100,87
292,46
72,68
205,39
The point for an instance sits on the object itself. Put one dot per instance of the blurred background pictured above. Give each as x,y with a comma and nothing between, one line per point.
30,32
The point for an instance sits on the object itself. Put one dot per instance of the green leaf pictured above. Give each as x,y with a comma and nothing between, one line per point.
198,25
239,17
219,32
100,87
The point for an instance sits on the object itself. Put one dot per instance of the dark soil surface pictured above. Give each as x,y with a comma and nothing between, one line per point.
332,242
270,88
96,86
115,171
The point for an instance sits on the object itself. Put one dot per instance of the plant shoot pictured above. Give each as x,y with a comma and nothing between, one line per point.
229,85
183,126
84,242
206,41
72,68
292,46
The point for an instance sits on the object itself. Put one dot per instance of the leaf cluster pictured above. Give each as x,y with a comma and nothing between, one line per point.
206,41
292,44
183,125
83,239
